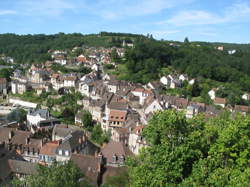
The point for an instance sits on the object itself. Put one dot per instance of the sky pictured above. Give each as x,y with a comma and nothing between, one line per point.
199,20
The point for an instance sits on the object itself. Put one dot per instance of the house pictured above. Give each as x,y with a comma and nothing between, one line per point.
242,109
212,93
61,131
155,85
90,166
142,93
74,142
181,103
120,135
85,88
31,149
220,101
136,141
183,77
57,81
191,82
152,105
18,87
70,81
3,86
60,59
47,155
246,96
81,59
95,67
40,118
117,118
170,81
114,153
21,169
37,116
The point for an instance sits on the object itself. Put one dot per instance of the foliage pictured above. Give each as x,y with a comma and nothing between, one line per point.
56,175
34,48
120,180
18,115
98,135
108,66
87,120
149,58
193,152
6,73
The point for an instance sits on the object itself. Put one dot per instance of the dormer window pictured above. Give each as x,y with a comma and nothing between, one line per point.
114,158
60,152
66,153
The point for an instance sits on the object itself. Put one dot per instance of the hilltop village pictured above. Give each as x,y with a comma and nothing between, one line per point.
74,108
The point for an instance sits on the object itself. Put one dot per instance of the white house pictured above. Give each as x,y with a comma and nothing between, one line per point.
142,94
3,85
246,96
37,116
136,141
164,80
212,93
152,105
95,67
183,77
191,82
18,87
70,81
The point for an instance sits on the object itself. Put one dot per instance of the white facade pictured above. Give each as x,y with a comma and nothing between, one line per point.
112,88
211,94
164,80
153,107
136,142
34,120
246,96
69,83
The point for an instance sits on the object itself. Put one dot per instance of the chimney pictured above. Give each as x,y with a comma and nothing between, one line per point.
41,143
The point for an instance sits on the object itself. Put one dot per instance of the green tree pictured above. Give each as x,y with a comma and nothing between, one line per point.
57,175
87,120
193,152
18,115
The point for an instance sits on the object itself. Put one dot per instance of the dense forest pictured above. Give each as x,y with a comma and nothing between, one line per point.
34,48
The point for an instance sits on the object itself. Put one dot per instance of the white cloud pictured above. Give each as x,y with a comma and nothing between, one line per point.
45,7
199,17
236,12
7,12
163,34
111,9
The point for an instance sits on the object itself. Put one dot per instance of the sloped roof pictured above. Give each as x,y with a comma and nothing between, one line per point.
116,115
116,148
89,166
23,167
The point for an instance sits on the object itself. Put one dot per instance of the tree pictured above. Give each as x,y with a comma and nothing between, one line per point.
87,120
193,152
18,115
98,135
186,41
57,175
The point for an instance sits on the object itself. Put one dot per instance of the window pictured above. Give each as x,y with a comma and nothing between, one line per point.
121,117
66,153
60,152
